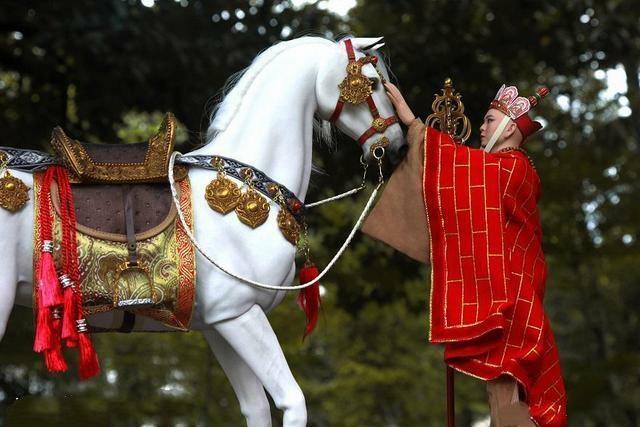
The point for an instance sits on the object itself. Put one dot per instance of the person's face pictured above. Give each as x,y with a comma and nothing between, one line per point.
491,121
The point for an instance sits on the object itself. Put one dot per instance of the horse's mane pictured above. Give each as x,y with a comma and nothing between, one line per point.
237,86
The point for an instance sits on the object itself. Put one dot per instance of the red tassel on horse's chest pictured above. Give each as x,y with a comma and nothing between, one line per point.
309,297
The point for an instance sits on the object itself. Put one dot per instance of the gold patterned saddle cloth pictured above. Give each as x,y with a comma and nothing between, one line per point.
134,254
162,288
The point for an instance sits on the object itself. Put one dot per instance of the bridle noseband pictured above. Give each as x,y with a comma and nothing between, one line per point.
355,89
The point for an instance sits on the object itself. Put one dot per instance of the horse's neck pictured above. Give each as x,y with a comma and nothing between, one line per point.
272,128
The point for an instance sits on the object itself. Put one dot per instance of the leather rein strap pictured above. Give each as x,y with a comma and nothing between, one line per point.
379,124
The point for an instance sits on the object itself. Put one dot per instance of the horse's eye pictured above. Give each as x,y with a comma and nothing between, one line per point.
374,83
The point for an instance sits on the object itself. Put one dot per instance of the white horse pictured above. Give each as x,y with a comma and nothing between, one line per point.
266,121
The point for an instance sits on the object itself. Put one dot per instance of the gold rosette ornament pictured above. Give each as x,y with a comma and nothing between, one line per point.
14,193
222,194
355,88
288,226
252,209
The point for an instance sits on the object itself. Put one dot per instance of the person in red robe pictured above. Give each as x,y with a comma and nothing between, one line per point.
485,248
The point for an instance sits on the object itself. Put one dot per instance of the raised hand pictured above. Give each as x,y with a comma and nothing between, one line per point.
402,108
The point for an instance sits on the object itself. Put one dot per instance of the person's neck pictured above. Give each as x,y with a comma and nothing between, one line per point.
508,144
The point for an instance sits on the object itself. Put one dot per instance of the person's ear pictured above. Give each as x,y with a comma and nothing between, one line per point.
510,130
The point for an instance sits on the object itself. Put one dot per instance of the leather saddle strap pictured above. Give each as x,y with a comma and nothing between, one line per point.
129,225
129,318
128,322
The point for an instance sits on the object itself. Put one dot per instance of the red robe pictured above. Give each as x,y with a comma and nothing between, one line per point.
489,271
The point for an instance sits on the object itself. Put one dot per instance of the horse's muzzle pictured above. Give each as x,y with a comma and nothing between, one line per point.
397,155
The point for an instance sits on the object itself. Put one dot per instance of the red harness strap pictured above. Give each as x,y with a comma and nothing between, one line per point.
379,125
375,128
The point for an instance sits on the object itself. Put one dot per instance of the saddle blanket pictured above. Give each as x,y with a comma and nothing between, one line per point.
164,280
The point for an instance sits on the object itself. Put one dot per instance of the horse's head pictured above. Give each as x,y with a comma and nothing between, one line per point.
351,95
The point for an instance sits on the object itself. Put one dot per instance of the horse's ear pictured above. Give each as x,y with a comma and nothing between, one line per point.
368,43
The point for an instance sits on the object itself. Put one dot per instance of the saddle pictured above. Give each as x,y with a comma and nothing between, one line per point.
121,189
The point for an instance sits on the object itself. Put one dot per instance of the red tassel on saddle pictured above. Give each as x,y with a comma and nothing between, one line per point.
89,365
50,292
53,356
69,331
46,280
44,330
309,297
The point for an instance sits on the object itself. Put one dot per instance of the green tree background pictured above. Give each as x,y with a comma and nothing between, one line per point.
106,71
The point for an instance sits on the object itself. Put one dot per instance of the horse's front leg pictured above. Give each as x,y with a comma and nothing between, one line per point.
248,388
16,254
252,338
8,286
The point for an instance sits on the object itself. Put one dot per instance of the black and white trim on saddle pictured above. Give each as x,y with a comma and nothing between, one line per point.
28,160
32,161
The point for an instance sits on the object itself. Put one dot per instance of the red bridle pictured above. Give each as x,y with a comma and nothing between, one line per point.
379,124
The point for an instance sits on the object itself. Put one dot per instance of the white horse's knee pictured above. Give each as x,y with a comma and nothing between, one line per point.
295,408
3,329
257,412
5,312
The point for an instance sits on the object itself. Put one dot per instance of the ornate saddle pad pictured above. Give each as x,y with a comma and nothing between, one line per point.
116,184
165,255
100,209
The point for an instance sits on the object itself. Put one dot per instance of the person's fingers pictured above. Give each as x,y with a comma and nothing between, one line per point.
391,96
393,99
392,88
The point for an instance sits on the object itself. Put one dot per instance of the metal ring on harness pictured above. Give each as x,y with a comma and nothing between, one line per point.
378,149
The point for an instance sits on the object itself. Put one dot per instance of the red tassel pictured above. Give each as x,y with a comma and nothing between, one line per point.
69,331
54,360
44,330
51,294
53,357
309,297
89,365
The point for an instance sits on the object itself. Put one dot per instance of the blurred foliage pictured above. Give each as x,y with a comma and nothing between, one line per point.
108,70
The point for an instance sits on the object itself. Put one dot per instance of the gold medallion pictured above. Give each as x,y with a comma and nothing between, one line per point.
288,226
253,209
14,194
379,124
355,89
222,194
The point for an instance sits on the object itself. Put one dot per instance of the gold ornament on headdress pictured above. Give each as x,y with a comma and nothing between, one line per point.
222,194
448,114
14,193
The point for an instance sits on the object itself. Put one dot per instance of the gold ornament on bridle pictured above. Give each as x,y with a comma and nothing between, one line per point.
448,114
14,193
356,87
